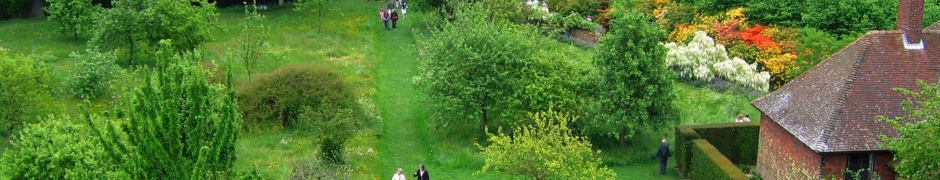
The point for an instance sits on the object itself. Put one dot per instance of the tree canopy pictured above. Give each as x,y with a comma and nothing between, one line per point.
479,69
635,88
918,140
73,16
25,85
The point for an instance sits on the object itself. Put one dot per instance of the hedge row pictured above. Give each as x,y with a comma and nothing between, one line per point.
737,142
684,137
709,163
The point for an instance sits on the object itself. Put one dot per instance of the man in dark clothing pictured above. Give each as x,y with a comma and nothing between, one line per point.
663,155
394,19
422,173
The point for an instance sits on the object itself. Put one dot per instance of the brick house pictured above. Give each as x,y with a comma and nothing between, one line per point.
824,122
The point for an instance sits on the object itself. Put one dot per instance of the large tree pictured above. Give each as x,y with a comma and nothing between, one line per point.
177,125
545,150
480,69
25,90
635,88
73,16
137,26
918,140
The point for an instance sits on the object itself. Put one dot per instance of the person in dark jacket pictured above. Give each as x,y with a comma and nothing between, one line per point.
394,19
422,173
663,155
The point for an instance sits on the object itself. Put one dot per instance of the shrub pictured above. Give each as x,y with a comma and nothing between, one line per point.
58,149
708,163
736,141
587,7
92,75
703,59
282,97
575,20
684,137
316,168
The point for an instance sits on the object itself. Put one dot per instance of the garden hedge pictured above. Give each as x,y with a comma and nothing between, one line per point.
683,151
708,163
737,141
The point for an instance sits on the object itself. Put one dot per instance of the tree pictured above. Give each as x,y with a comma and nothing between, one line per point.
58,149
476,69
546,150
918,139
73,16
177,125
25,85
635,89
254,36
137,26
92,75
315,6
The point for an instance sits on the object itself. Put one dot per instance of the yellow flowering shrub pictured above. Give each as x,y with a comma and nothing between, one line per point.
776,60
682,33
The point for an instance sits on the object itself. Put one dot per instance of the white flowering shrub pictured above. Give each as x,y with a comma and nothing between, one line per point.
704,59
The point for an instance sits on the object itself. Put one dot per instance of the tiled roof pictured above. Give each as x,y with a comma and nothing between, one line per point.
833,107
935,26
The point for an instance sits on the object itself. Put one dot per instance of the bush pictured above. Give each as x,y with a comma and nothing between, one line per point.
58,149
684,137
708,163
92,75
316,168
279,98
588,7
736,141
575,20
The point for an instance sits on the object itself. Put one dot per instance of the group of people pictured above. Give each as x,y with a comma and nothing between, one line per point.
391,13
743,118
421,174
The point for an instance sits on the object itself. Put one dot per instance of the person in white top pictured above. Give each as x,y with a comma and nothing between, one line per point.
398,175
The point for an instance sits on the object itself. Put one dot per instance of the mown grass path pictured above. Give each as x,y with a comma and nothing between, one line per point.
404,142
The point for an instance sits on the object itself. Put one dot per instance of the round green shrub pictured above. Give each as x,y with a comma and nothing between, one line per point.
92,75
58,149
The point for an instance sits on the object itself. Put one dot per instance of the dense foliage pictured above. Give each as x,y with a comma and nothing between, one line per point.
478,69
281,97
709,163
26,90
635,88
836,17
93,74
703,59
586,7
58,149
177,125
918,140
545,150
73,16
136,27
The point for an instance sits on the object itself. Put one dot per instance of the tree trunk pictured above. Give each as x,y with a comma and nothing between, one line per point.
36,9
10,134
75,34
623,137
485,119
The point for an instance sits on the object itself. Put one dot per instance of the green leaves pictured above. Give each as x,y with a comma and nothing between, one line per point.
634,86
25,85
483,69
73,16
92,75
918,139
545,150
135,27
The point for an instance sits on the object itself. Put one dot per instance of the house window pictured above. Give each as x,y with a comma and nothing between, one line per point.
859,167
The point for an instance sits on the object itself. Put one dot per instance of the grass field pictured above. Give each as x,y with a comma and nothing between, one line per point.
380,64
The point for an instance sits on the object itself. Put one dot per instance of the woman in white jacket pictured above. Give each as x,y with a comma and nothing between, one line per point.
398,175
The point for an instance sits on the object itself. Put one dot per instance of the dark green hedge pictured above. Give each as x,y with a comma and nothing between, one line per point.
737,141
708,163
683,151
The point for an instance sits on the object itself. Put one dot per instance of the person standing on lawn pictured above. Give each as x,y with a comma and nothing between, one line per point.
394,19
663,155
384,17
404,8
422,173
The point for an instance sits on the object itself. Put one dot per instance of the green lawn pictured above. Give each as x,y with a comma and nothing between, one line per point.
380,64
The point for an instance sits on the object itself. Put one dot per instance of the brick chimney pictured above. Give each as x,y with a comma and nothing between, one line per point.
911,22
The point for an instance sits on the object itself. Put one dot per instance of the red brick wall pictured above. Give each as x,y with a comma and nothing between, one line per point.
834,164
881,166
781,156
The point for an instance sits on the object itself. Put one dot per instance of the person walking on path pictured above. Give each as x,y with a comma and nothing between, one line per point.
384,16
391,7
394,19
404,8
663,155
422,173
398,175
